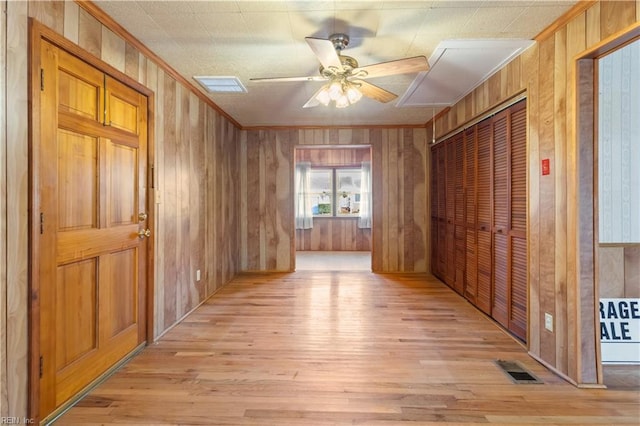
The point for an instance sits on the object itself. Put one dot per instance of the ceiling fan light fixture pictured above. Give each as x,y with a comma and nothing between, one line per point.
323,96
335,90
353,94
342,102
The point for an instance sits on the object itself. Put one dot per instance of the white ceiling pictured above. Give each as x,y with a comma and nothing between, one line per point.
464,41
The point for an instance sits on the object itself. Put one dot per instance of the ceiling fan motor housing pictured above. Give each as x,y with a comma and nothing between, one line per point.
340,41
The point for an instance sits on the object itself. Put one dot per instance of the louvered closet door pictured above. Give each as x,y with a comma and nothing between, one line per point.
459,221
483,224
442,215
471,256
501,190
450,212
518,219
434,211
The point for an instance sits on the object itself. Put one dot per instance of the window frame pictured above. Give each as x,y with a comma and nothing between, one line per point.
334,190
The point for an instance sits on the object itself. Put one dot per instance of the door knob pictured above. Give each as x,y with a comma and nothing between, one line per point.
144,233
142,217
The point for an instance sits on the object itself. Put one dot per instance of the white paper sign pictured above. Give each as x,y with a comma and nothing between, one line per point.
620,331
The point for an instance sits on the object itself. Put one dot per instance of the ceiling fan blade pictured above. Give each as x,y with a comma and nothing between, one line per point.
285,79
325,52
401,66
374,92
312,102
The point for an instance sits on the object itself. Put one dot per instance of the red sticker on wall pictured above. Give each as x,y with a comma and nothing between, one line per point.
546,169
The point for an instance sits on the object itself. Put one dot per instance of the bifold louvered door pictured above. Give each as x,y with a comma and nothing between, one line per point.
500,226
483,223
450,212
459,214
441,266
435,185
479,188
518,222
471,254
509,304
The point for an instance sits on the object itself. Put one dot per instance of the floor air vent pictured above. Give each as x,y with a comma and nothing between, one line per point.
516,372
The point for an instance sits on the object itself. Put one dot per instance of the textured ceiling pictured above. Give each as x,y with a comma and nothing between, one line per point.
251,39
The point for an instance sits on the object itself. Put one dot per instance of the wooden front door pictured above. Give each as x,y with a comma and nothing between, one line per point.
92,174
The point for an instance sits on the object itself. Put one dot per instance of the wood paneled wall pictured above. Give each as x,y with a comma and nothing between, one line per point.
619,271
334,157
334,234
196,179
546,71
399,167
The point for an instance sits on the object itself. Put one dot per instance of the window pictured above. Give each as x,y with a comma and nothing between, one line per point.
335,192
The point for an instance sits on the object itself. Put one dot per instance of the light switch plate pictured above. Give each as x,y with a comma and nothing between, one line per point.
548,321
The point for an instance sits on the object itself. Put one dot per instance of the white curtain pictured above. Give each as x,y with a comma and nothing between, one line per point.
304,213
364,221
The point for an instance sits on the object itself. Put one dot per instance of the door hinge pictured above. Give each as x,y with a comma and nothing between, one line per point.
41,223
42,79
41,365
153,178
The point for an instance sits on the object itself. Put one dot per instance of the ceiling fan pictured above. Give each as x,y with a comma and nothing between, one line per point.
345,78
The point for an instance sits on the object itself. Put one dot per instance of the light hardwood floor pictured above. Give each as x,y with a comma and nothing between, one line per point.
337,348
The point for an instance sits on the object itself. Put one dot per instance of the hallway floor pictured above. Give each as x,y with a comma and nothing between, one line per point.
333,261
340,348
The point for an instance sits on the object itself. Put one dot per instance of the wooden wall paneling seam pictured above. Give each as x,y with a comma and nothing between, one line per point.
170,293
243,169
151,218
186,277
71,17
197,200
4,397
112,49
397,172
559,150
615,15
547,200
385,194
219,184
285,248
89,34
156,76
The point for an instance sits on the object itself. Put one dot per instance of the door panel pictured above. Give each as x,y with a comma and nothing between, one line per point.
123,313
122,171
80,88
92,308
123,107
77,174
76,297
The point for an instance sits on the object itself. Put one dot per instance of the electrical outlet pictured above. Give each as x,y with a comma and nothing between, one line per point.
198,275
548,321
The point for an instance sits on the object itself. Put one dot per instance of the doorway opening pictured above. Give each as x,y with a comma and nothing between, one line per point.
333,208
608,237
